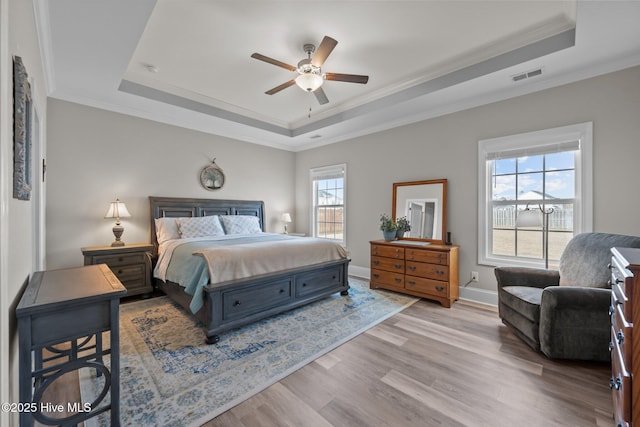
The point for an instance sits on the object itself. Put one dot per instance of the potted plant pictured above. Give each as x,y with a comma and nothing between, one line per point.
388,227
403,226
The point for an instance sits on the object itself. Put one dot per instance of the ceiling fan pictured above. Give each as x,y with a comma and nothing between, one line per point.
310,76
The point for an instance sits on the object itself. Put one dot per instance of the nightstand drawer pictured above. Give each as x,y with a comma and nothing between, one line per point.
131,264
122,259
128,272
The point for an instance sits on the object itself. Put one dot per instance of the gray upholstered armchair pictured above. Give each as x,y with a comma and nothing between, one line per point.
564,313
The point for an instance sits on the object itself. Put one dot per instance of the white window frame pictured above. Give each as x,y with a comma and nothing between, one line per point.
583,206
322,173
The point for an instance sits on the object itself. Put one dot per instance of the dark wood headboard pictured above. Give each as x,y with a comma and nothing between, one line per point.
184,207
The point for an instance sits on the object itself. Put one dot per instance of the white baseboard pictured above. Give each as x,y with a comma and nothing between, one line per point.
482,296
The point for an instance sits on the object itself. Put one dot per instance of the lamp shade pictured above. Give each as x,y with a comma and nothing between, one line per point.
117,210
529,218
309,81
286,217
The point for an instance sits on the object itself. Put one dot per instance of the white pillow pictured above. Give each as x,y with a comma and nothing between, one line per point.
166,229
200,226
241,224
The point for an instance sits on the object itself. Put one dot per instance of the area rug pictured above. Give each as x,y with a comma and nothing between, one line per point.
170,376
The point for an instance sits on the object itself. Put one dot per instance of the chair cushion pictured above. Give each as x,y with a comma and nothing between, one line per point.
524,300
586,256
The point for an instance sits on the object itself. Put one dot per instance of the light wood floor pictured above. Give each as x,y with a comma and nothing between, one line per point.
432,366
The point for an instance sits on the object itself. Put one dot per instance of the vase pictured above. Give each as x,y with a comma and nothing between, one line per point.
389,235
400,234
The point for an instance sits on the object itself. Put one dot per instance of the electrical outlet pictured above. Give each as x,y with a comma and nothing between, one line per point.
474,276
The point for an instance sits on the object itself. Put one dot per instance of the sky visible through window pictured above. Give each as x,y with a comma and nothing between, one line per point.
530,177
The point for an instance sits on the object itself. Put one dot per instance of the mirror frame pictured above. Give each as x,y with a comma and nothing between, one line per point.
443,219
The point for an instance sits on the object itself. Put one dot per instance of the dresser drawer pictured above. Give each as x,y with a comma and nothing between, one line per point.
620,383
622,333
388,278
387,251
387,264
123,259
619,301
620,279
432,257
430,271
427,286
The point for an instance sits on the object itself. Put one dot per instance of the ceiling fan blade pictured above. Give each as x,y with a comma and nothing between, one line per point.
279,88
321,96
323,51
273,61
350,78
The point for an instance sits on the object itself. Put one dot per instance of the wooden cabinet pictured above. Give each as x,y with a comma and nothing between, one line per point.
625,312
424,270
130,263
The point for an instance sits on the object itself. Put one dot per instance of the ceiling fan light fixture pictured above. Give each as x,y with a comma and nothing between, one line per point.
309,81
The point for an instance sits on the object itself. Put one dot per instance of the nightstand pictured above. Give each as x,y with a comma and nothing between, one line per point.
130,263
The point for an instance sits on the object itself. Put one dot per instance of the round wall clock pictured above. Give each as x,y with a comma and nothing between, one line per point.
212,177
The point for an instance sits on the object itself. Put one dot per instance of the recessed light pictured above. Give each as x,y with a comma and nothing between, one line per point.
151,68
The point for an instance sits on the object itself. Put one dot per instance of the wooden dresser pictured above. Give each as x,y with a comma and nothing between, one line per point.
427,271
624,345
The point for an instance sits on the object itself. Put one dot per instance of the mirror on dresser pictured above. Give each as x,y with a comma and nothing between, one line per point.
424,204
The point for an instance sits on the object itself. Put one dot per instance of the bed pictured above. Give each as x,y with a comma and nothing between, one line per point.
233,302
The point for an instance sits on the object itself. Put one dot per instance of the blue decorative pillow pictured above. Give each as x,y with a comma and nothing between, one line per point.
200,226
241,224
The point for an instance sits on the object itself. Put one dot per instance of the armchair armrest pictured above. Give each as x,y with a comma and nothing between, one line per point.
575,323
523,276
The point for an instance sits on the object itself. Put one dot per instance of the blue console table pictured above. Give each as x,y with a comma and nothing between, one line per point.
74,307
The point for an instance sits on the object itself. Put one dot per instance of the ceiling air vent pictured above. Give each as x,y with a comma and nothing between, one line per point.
527,75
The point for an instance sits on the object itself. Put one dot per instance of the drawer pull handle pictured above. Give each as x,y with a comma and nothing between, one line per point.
398,280
439,272
411,282
304,285
412,267
398,265
119,271
620,337
376,276
611,310
120,259
237,303
611,346
615,281
282,291
439,288
375,262
615,384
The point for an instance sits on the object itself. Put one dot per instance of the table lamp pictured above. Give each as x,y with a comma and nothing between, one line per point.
286,218
117,210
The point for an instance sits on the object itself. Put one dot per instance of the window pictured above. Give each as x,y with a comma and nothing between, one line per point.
328,186
548,170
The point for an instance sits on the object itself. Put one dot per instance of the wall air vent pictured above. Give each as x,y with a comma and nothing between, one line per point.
527,75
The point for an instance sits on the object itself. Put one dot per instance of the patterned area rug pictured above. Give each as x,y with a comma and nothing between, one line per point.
170,376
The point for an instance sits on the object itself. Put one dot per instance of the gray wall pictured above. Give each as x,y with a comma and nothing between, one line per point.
17,217
96,156
446,147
